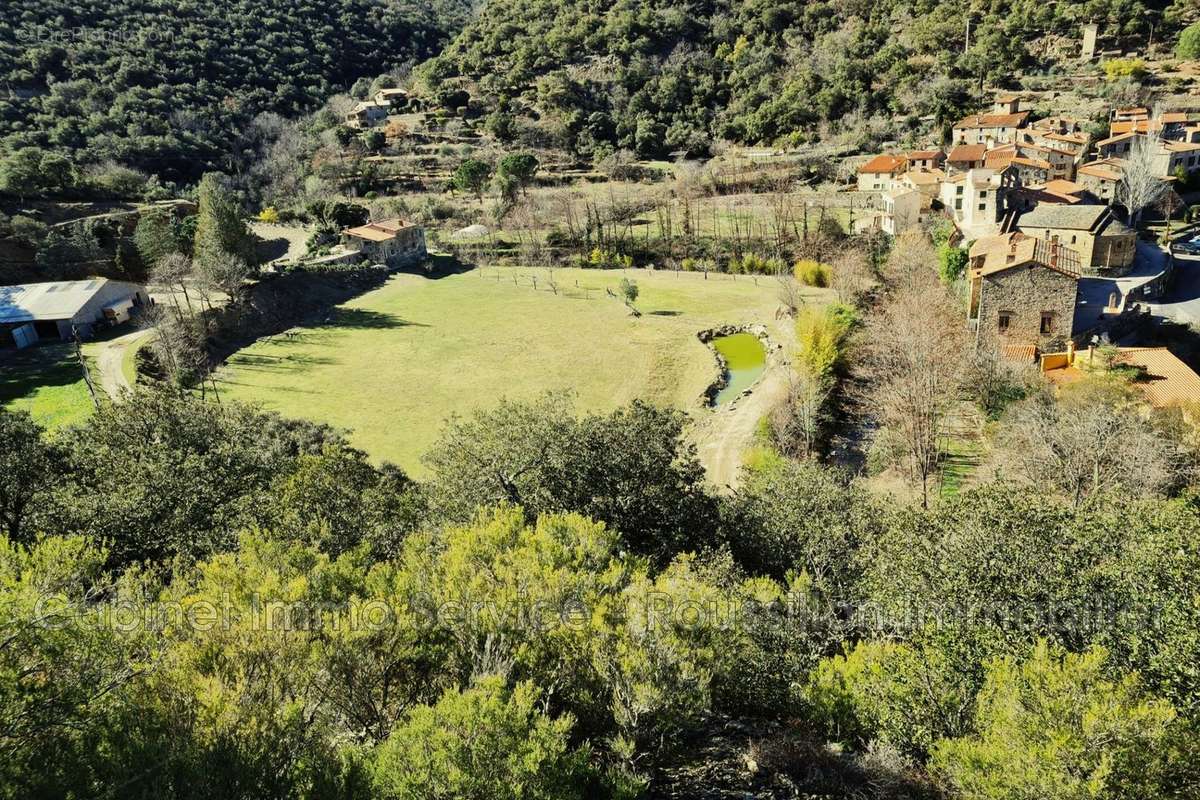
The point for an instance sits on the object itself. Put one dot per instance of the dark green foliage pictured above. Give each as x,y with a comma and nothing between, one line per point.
631,469
675,77
1189,42
793,517
160,477
28,465
471,177
168,88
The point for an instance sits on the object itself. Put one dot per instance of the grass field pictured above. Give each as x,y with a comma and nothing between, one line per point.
46,381
391,365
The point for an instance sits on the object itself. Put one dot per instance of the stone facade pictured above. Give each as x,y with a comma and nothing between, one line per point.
1028,304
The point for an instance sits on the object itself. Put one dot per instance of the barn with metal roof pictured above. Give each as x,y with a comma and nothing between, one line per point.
58,309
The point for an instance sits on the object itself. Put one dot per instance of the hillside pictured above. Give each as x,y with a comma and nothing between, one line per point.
170,88
663,75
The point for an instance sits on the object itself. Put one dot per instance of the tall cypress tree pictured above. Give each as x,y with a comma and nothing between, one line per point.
220,230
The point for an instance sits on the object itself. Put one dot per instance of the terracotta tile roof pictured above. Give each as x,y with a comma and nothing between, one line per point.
922,155
1166,380
967,152
1180,147
883,164
996,242
1120,137
1022,353
1070,138
1173,117
1108,169
924,177
992,120
1024,251
1036,163
378,231
1060,186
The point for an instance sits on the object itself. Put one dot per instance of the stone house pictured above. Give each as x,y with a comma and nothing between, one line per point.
1105,245
1023,292
998,127
368,114
964,157
880,173
393,242
1101,178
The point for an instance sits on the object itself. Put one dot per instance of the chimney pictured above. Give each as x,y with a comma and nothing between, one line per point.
1054,253
1070,352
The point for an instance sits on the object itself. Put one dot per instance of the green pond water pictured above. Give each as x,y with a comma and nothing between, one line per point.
745,358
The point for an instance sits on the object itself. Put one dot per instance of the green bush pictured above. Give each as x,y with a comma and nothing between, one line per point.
1189,42
952,263
813,273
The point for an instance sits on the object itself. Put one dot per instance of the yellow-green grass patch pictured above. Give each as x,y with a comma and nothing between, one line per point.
390,366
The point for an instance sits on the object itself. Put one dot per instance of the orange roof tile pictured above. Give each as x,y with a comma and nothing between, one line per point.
883,164
378,231
967,152
993,120
1166,380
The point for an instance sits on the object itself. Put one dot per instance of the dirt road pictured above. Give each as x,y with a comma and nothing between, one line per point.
108,363
723,435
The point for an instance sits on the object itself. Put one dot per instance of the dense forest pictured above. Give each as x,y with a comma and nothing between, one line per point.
171,88
662,75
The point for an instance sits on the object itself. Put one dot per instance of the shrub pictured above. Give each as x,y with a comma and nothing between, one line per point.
1189,42
952,263
484,742
268,214
813,273
1124,68
821,333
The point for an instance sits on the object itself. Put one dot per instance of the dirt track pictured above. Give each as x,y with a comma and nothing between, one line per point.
108,363
724,435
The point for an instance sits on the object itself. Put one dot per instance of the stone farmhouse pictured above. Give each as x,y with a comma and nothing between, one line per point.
1022,293
393,242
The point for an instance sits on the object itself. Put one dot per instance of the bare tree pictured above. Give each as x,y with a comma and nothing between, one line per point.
799,425
1141,184
913,355
1089,441
790,293
853,277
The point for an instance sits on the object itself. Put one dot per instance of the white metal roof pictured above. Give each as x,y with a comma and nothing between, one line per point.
54,300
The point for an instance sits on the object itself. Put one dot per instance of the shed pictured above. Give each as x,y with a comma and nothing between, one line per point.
55,309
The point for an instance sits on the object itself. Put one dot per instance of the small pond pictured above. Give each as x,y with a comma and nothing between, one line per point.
745,358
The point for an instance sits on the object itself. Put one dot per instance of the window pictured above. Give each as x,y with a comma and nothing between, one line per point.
1047,323
1072,238
983,195
983,206
958,204
958,190
1004,321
